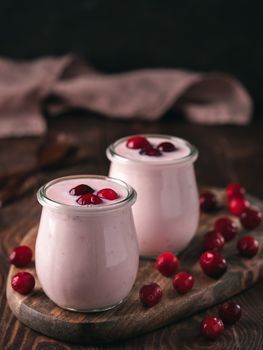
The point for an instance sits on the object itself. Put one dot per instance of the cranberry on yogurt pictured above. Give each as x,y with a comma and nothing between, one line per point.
166,147
108,193
87,199
80,189
151,152
137,142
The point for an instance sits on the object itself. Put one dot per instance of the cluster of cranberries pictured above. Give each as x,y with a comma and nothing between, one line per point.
167,264
86,194
22,282
225,229
151,294
213,326
238,205
146,148
211,261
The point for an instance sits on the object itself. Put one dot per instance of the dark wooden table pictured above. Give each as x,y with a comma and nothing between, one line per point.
227,153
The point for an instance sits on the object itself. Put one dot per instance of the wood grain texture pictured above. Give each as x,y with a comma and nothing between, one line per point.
131,318
226,154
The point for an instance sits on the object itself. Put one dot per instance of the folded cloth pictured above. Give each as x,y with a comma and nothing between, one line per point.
62,83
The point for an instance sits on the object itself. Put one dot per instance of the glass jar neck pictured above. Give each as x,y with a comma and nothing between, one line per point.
191,157
46,201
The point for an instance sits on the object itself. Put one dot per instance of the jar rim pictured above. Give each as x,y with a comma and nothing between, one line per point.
44,200
192,156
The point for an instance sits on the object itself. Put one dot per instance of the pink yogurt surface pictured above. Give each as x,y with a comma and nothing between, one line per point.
181,151
59,191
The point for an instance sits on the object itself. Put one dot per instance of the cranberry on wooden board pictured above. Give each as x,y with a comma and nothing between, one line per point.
234,189
150,294
250,218
214,241
183,282
21,256
167,264
23,282
237,205
248,246
226,227
213,264
212,327
208,201
229,312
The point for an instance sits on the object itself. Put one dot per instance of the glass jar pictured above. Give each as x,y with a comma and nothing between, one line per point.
166,212
87,256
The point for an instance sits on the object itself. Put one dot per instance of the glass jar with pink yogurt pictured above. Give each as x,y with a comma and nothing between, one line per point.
86,250
166,212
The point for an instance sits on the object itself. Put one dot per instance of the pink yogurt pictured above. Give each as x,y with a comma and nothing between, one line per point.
86,256
166,213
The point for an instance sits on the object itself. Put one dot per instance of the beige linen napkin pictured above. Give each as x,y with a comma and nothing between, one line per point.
63,83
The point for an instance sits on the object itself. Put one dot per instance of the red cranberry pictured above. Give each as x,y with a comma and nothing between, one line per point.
21,256
237,205
151,152
150,294
213,264
23,282
226,227
108,193
212,327
234,189
248,246
208,201
250,218
214,241
167,263
229,312
137,142
183,282
88,198
166,147
81,189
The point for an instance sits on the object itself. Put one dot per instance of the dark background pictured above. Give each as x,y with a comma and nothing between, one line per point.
117,35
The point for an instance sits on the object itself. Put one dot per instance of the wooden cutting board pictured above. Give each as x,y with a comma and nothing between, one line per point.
131,318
